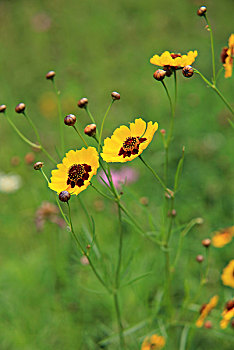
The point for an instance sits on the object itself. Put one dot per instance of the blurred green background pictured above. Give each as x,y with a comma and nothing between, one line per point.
49,299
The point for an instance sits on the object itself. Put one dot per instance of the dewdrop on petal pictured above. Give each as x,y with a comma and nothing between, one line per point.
82,103
20,108
70,120
64,196
2,108
115,95
201,11
90,130
50,75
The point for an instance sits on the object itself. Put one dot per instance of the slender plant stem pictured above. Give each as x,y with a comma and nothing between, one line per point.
154,173
172,113
103,121
101,193
212,48
48,155
79,134
120,326
89,114
33,126
57,92
43,173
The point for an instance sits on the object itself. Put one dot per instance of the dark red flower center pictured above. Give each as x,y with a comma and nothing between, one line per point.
77,174
174,55
131,146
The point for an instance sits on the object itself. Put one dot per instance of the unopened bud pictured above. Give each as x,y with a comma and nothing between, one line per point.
208,324
168,71
2,108
64,196
224,54
199,221
144,201
115,95
199,258
169,193
90,130
38,165
159,74
70,119
88,246
82,103
173,212
187,71
201,11
20,108
50,75
206,242
163,131
29,158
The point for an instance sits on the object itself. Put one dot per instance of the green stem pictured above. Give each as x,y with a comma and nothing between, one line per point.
90,115
172,113
57,92
154,173
43,173
103,121
212,48
48,155
33,126
77,131
120,326
101,193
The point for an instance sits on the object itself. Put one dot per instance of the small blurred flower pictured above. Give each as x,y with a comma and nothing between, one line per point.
48,211
128,143
206,309
227,314
9,183
228,274
155,342
223,237
76,171
174,60
41,22
229,57
124,176
29,158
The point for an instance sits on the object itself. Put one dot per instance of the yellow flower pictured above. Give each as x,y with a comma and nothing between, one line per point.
206,309
76,171
175,60
155,342
227,314
128,143
229,57
223,237
228,274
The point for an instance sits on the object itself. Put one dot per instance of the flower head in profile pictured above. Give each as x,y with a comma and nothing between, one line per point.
206,309
227,314
155,342
228,274
174,60
75,171
227,57
128,143
223,237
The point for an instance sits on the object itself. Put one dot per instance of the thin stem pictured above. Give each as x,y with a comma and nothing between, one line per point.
168,95
212,48
101,193
103,121
172,113
77,131
57,92
48,155
154,173
33,126
120,326
89,114
43,173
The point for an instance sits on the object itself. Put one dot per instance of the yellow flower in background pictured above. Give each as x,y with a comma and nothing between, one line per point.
229,57
206,309
223,237
227,314
155,342
228,274
128,143
76,171
175,60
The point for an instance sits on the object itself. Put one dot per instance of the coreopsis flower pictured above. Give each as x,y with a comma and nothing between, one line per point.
128,143
227,314
223,237
174,60
155,342
205,310
75,172
228,57
228,274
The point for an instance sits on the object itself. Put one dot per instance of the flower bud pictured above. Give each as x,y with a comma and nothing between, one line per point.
201,11
115,95
159,74
90,130
187,71
144,201
163,131
20,108
50,75
206,242
38,165
208,324
64,196
82,103
88,246
29,158
70,119
224,54
2,108
199,258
